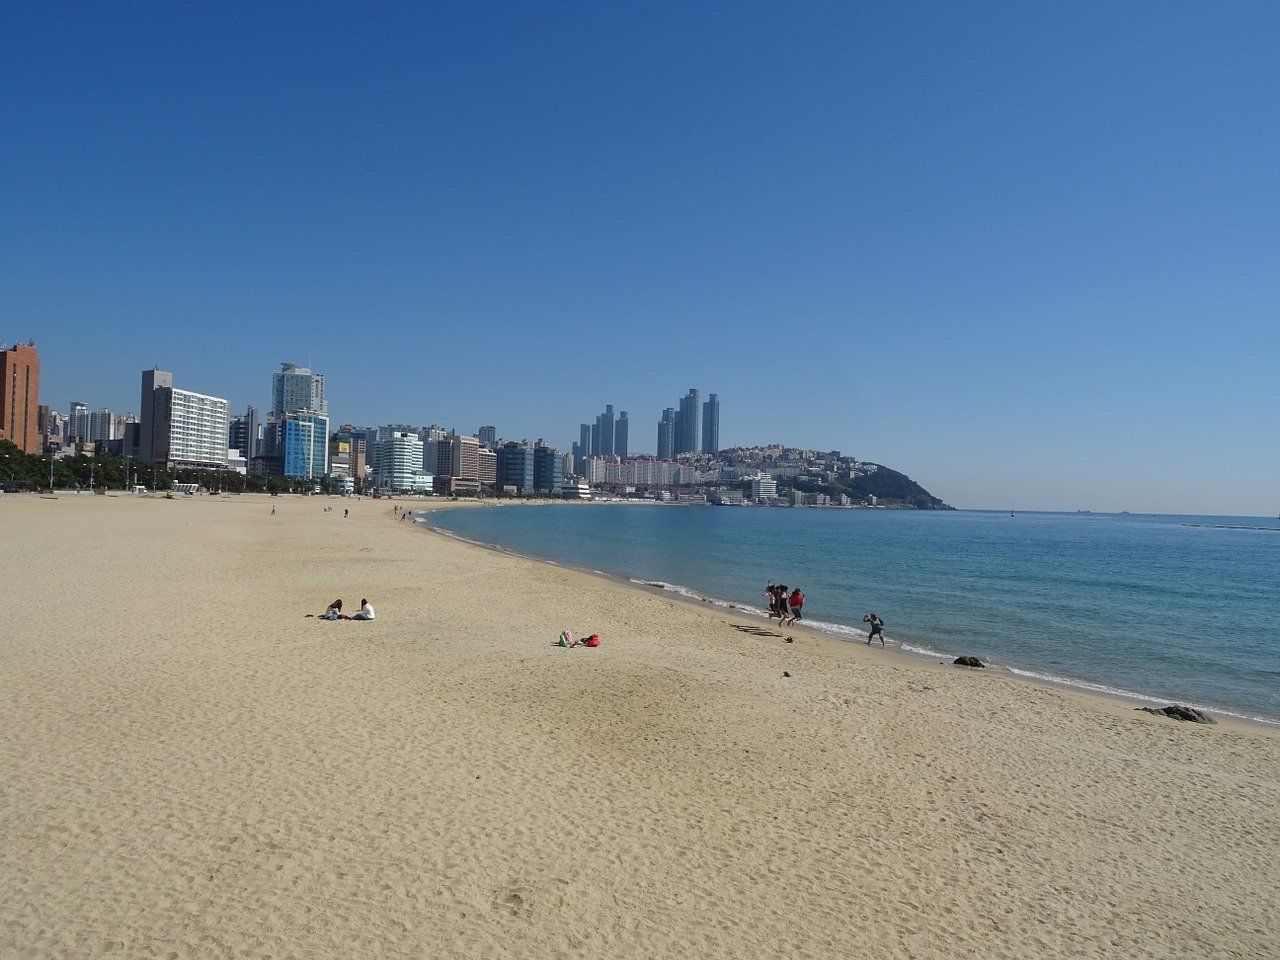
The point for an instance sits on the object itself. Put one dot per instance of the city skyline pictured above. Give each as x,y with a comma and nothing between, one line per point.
1024,253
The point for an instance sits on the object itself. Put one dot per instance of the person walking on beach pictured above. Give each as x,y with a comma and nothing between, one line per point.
877,628
783,612
345,513
273,510
796,602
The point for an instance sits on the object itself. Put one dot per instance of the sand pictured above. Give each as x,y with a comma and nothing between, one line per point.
189,768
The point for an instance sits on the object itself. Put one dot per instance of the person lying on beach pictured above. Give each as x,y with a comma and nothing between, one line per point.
365,612
591,641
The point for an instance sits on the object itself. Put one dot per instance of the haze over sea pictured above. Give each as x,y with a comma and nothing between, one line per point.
1164,607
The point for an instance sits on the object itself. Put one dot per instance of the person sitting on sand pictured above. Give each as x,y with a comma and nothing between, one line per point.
365,612
332,612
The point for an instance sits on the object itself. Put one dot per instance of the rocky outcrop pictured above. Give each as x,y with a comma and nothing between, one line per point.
968,662
1179,712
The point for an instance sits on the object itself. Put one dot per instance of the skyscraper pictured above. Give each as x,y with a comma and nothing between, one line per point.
686,439
667,435
620,431
294,389
488,436
20,397
78,421
582,449
711,424
604,431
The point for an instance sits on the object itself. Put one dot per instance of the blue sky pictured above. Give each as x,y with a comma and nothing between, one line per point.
1026,253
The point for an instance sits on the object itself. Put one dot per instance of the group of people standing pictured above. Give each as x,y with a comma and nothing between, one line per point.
784,603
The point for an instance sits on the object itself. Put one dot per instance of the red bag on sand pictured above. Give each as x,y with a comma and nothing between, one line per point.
592,641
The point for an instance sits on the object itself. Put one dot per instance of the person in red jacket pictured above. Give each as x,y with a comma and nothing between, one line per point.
796,602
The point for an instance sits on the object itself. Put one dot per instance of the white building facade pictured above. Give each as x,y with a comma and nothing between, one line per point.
398,468
764,487
197,429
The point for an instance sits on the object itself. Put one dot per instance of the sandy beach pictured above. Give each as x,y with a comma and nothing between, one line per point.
191,768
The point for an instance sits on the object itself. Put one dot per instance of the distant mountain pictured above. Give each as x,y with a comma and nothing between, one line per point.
889,487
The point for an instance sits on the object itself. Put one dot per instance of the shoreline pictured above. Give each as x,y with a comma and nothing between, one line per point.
845,635
198,769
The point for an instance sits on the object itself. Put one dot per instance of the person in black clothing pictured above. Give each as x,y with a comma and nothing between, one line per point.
877,628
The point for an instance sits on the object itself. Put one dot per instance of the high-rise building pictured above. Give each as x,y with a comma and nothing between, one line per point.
306,445
602,437
463,457
149,414
20,396
584,440
181,428
711,424
49,423
488,436
78,422
104,426
667,435
620,431
295,389
399,464
245,434
686,439
488,467
548,471
515,466
431,437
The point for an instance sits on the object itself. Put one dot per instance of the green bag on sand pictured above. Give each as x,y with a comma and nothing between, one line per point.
565,638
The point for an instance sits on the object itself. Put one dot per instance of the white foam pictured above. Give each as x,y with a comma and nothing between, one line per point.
1129,694
844,632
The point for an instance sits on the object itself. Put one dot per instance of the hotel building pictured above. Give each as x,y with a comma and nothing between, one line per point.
181,428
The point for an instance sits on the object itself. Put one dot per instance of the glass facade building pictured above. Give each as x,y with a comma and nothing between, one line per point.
515,467
306,445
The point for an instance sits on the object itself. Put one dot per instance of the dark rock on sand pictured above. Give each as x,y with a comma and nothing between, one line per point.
968,662
786,673
1179,712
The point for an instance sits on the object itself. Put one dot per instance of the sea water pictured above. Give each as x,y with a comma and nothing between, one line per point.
1170,608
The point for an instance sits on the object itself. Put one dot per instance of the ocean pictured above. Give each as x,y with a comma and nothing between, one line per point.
1166,608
